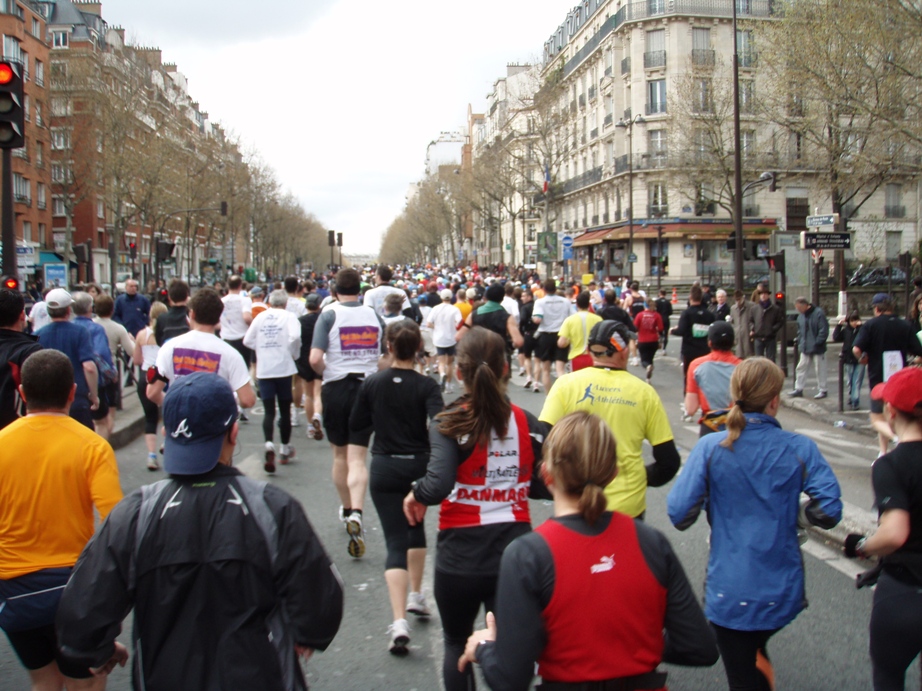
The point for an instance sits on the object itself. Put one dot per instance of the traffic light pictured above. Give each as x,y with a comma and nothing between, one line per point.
224,208
12,113
164,250
339,239
776,262
331,238
10,283
133,250
779,298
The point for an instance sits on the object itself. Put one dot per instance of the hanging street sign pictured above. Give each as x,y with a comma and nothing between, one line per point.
825,241
819,221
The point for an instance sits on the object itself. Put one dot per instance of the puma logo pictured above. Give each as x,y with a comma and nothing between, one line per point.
605,564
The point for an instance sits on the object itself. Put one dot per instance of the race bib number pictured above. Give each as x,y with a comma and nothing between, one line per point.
700,330
893,363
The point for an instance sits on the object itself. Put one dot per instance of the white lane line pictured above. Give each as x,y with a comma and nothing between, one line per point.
834,558
829,437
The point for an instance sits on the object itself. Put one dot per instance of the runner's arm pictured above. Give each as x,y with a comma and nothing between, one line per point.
666,463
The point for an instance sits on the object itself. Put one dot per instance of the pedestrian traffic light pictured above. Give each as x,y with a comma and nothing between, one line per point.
339,239
779,298
133,250
10,282
331,238
12,113
164,250
776,262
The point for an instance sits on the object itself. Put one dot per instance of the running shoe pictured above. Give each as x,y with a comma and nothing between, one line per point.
400,637
287,454
521,371
295,414
269,465
649,372
442,382
537,388
356,532
317,426
449,388
152,463
243,417
416,604
527,384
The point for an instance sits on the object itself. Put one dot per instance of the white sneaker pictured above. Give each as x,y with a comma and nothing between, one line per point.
356,532
295,414
287,453
416,604
400,637
152,462
269,465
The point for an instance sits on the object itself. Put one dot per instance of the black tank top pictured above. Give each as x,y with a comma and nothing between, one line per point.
495,321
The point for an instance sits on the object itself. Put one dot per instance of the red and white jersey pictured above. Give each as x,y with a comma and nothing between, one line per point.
493,482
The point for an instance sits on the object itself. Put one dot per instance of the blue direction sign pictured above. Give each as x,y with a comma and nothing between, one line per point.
632,258
567,252
818,221
567,242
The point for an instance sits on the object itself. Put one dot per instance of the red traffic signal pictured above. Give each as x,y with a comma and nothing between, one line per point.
10,283
133,250
12,113
779,298
6,73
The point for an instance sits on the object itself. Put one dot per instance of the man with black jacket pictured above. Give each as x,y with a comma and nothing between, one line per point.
15,347
693,328
664,307
176,320
228,581
768,318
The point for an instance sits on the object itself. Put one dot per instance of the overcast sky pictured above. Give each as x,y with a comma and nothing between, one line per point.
341,97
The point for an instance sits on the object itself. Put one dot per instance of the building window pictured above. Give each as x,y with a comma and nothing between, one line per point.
27,231
656,7
893,201
12,49
41,233
38,114
798,208
25,66
744,47
36,27
59,39
702,102
57,206
657,143
40,195
656,96
747,96
39,73
100,208
747,143
22,191
39,155
57,172
60,140
659,205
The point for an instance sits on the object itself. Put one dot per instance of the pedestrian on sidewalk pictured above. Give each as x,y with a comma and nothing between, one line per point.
897,542
743,321
228,581
768,320
398,403
750,478
46,517
812,332
547,577
482,469
884,344
145,357
845,333
275,337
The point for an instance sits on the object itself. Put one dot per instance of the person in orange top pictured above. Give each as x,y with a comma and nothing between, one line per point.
46,516
707,384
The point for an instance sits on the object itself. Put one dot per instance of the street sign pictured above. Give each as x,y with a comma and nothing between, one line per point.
567,252
567,241
825,241
25,258
827,220
632,258
56,275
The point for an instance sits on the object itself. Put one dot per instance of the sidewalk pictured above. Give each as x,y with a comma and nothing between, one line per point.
129,421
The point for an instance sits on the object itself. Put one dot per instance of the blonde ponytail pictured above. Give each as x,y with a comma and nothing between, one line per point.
754,384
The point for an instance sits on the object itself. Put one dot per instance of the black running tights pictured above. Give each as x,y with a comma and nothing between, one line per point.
740,651
389,481
896,637
459,599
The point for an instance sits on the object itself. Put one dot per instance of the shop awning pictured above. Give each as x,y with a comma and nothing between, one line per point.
691,231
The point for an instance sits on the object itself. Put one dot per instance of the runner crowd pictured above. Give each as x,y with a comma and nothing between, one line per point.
229,583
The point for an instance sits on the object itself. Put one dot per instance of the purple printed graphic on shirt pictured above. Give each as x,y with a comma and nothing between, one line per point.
189,360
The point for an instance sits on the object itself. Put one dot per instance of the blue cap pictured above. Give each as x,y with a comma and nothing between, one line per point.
197,412
880,298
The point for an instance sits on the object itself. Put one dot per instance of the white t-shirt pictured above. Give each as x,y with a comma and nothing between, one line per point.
444,320
552,309
233,325
38,315
296,306
275,335
511,306
197,351
375,298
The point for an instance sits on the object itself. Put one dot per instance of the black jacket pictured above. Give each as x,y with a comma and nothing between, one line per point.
15,347
225,575
694,340
845,334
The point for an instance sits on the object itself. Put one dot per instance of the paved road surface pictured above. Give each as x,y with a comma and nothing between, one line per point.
825,648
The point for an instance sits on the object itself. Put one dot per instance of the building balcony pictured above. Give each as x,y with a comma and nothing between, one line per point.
626,65
21,154
607,121
594,134
590,177
703,57
657,210
654,58
608,71
894,211
22,199
595,220
655,108
622,164
42,206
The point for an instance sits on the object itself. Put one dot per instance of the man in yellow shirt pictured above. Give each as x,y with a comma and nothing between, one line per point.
632,409
53,471
574,332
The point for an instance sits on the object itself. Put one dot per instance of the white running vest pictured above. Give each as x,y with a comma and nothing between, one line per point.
354,343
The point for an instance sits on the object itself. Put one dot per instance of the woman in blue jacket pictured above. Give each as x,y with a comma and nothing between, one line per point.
749,479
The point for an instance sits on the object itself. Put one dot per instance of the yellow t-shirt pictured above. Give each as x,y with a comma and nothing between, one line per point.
572,328
633,411
465,307
53,470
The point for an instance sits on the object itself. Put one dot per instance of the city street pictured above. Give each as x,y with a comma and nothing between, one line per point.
825,648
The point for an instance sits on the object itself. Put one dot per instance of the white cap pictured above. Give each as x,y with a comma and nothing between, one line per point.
446,294
58,299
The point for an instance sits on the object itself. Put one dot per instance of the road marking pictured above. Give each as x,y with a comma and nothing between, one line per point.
832,557
828,437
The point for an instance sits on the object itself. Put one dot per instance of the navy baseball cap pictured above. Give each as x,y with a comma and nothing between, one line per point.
720,334
198,409
880,298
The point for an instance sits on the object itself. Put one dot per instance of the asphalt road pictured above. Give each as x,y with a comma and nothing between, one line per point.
824,648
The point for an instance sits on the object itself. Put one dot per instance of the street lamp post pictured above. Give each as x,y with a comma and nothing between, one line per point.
737,161
659,257
629,124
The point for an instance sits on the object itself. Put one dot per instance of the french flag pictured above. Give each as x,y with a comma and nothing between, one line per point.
547,177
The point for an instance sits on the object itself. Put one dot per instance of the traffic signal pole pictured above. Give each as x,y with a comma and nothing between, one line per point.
8,232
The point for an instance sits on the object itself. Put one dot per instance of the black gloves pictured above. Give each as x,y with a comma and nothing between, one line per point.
853,544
